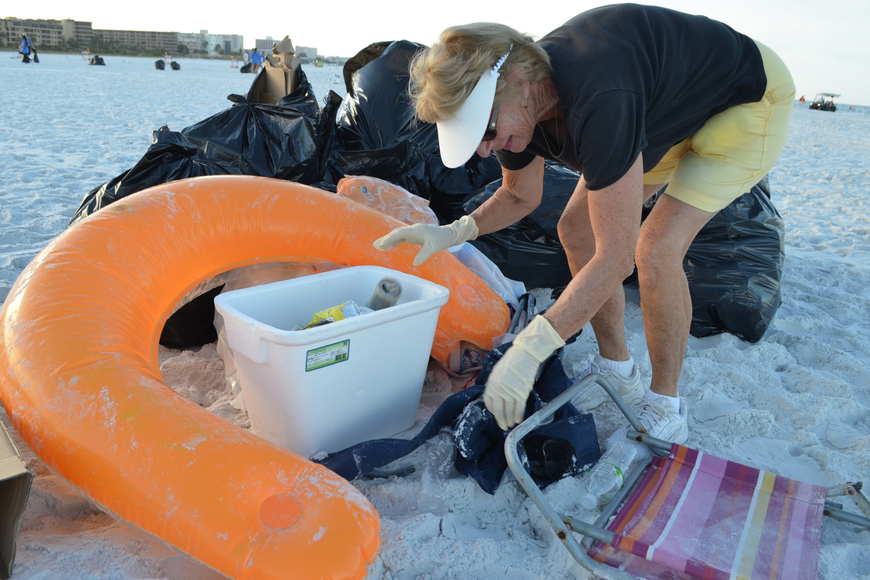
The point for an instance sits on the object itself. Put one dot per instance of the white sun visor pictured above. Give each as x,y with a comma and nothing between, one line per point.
459,137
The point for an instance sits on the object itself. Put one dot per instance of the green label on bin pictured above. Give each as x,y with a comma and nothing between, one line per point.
324,356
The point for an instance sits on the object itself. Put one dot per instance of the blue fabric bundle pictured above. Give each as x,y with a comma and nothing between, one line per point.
555,450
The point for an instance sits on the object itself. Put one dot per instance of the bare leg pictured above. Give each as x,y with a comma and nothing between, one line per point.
575,231
664,239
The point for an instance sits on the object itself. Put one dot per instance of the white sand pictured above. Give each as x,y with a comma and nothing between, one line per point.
795,403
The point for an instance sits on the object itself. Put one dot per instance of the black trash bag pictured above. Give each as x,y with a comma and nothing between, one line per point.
734,265
734,268
160,64
377,115
258,139
401,164
276,141
246,68
529,250
377,110
450,188
169,158
327,169
175,66
192,325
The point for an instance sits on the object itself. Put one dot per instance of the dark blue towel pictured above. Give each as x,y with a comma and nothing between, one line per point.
549,453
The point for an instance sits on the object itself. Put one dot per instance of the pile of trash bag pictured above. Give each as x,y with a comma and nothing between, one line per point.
529,250
734,266
373,132
277,141
381,136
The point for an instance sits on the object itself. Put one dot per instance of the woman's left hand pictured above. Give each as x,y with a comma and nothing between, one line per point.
432,238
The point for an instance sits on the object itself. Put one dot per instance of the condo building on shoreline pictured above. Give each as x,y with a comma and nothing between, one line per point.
49,33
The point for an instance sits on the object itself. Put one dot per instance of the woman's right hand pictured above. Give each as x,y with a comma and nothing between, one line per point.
432,238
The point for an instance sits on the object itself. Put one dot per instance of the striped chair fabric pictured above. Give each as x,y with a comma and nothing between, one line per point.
694,515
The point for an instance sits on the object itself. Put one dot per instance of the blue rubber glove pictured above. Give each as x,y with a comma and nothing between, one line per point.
432,238
513,377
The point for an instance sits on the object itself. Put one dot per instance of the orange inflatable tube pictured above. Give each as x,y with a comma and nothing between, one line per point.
79,372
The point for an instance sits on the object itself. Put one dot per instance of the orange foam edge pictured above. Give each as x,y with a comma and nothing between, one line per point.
79,373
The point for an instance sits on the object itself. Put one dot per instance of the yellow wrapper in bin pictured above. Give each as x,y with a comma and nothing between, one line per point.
347,310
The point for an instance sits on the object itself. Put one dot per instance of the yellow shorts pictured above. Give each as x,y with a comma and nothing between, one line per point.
734,149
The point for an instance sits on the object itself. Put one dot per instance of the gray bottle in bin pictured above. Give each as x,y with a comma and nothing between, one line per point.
386,294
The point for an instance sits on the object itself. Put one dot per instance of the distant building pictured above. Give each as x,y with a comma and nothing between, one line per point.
306,54
42,32
56,32
265,45
202,40
148,40
194,41
232,43
76,29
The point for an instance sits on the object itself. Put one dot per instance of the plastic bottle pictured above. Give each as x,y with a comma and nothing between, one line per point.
386,294
608,475
440,455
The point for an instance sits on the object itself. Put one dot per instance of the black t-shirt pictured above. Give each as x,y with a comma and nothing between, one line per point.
635,78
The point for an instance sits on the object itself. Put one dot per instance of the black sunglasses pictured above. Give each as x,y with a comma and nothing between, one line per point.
490,132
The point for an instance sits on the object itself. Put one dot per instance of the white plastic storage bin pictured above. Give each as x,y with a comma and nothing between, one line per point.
331,386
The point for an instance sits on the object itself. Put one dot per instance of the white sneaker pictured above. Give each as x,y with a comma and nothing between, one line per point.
592,395
662,422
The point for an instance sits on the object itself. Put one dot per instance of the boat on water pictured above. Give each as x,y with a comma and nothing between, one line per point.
825,102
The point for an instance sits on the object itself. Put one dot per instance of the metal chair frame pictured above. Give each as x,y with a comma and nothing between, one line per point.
565,525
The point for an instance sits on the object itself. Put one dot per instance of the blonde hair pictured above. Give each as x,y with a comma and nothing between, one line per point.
443,75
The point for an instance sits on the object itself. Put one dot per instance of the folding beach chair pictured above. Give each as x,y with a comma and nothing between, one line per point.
688,514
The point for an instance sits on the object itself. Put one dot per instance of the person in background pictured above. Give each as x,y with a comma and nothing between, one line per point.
634,97
34,56
256,60
24,49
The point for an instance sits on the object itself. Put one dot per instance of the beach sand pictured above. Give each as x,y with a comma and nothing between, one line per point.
796,403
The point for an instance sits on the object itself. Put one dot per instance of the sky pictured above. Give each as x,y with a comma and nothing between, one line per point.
823,42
